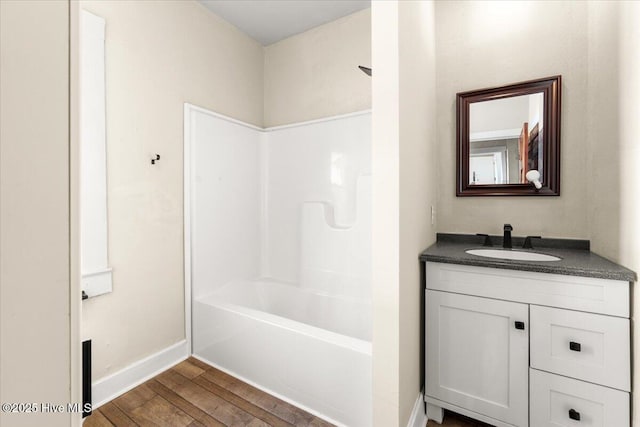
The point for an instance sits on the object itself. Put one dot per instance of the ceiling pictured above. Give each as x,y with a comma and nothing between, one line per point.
269,21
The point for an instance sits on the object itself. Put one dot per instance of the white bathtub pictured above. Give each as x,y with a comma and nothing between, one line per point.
310,349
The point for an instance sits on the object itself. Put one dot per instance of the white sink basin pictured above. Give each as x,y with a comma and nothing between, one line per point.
510,254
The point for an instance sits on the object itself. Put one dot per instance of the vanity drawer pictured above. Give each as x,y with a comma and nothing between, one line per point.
559,401
585,346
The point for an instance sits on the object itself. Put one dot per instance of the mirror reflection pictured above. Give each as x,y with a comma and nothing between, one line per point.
506,139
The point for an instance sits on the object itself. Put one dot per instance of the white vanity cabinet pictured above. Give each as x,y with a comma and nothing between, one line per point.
519,348
481,360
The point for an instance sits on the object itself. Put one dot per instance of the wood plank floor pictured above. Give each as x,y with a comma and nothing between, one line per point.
193,394
452,419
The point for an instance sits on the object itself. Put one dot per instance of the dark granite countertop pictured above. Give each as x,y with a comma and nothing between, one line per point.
576,258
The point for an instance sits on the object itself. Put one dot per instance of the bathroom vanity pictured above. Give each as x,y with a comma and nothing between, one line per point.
527,343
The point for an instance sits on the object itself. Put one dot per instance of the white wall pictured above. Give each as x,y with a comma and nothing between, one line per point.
404,189
315,74
35,342
498,114
484,44
160,54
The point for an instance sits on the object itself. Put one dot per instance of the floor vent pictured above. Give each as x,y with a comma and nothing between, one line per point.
86,378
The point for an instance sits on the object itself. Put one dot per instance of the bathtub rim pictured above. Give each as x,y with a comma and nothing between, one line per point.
351,343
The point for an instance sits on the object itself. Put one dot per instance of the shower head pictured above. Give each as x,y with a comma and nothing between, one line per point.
365,70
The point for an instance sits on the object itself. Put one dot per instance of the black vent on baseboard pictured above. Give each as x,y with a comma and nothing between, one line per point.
86,378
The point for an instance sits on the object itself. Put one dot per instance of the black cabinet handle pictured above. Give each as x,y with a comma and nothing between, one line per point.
574,415
519,325
575,346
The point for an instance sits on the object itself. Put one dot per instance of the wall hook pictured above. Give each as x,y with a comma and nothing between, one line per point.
155,159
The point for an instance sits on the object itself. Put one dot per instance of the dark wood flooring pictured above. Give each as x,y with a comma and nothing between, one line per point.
452,419
193,394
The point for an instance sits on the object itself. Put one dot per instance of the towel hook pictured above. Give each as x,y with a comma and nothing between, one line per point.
155,159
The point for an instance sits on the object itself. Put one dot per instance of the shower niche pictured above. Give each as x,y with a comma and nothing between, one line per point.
278,257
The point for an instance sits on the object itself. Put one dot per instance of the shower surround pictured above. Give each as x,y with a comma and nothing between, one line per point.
278,257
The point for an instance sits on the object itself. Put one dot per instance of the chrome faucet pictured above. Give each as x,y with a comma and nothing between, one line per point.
506,238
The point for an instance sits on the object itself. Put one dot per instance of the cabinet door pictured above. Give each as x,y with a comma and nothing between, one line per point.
477,354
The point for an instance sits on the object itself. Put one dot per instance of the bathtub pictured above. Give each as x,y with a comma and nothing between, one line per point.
310,349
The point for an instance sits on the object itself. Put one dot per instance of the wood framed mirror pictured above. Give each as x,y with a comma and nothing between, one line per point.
503,133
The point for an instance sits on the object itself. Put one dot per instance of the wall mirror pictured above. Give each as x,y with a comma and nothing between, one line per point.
503,133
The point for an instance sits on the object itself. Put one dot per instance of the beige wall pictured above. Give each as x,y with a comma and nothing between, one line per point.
315,74
604,143
593,45
35,341
629,155
614,86
159,55
385,236
418,187
483,44
404,173
614,90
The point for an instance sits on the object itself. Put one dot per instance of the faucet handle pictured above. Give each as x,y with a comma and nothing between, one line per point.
527,241
487,239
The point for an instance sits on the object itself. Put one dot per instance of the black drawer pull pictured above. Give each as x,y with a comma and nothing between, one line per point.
575,346
574,415
519,325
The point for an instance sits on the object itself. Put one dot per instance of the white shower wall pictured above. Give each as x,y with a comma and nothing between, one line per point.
291,203
318,225
225,201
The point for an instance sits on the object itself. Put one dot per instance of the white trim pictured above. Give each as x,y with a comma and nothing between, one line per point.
323,119
418,416
435,413
191,107
75,282
97,282
271,392
108,388
188,108
94,215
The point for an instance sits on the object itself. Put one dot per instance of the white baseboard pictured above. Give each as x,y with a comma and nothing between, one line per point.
418,416
108,388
